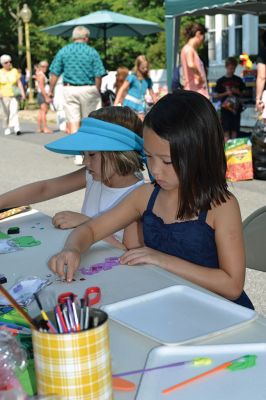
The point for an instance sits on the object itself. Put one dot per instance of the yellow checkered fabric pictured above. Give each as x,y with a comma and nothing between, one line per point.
74,366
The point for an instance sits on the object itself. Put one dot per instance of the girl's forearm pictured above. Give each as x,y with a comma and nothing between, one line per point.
28,194
80,239
213,279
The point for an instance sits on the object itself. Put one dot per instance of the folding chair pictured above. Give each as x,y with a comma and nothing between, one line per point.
254,227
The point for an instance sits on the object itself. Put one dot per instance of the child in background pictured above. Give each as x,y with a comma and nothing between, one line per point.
111,143
229,89
133,90
121,75
43,99
191,222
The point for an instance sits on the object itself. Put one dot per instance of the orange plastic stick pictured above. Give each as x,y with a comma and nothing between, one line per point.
123,385
195,378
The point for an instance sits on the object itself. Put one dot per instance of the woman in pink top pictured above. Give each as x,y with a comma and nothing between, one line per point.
193,70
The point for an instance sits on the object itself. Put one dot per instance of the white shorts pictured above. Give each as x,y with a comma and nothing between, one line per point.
79,101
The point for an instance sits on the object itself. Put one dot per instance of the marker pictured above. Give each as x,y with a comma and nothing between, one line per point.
75,316
81,319
71,315
87,316
66,319
61,318
58,323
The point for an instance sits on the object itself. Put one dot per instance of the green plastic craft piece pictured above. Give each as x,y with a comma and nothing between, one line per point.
244,362
27,378
26,241
14,317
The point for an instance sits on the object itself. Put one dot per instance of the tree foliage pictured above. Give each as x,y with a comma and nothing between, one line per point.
120,50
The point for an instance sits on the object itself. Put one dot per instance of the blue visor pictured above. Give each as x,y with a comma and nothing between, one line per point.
97,135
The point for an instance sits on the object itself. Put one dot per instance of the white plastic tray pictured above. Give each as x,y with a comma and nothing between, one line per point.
245,384
179,314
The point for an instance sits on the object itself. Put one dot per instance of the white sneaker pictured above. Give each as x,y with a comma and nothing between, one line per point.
78,160
7,131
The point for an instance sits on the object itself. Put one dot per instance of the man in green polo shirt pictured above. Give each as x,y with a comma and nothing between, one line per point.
82,71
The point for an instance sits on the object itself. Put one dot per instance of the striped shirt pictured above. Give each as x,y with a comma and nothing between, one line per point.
79,64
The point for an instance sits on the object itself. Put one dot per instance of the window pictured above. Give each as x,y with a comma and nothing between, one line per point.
262,28
211,39
225,37
238,34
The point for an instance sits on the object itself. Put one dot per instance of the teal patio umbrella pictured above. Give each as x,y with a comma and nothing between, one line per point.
106,24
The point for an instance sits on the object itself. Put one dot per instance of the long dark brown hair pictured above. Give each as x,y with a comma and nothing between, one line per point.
190,123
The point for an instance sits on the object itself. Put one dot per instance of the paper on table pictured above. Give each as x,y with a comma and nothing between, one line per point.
23,291
8,246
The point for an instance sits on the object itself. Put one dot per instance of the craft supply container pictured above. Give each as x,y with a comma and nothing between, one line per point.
75,365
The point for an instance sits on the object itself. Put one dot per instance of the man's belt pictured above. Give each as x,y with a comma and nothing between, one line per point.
78,84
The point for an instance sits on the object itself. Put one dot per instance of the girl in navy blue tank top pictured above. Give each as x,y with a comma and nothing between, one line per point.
191,222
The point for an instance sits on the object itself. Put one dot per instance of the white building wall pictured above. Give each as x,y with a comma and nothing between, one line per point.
249,41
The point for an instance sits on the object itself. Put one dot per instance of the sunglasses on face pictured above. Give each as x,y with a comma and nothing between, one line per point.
8,62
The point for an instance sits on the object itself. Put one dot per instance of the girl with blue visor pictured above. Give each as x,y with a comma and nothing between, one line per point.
111,143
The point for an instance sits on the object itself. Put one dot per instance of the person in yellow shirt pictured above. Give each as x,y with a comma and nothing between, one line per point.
10,85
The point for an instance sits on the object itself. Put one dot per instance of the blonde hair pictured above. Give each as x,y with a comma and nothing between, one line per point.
123,162
139,60
80,32
121,74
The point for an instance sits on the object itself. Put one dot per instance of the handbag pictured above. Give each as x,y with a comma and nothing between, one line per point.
16,91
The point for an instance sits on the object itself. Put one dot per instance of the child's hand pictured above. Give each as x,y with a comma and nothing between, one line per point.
68,219
142,255
65,263
259,105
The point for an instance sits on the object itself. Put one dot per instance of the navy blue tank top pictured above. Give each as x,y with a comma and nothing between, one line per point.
193,240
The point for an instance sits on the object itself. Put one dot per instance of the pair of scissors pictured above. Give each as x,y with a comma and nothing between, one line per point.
91,296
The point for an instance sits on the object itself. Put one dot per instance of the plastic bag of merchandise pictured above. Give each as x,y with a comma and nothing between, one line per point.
258,139
239,159
12,360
